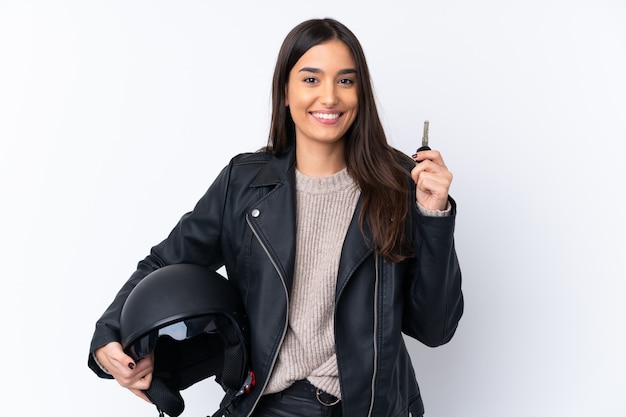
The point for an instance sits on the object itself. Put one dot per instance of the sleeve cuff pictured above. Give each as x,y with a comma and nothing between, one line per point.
105,370
435,213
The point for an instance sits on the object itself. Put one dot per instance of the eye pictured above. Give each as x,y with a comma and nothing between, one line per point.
346,81
310,80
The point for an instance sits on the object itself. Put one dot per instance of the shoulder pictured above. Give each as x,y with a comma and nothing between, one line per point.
255,168
250,158
248,163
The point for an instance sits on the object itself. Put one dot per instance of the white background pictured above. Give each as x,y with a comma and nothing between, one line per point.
115,116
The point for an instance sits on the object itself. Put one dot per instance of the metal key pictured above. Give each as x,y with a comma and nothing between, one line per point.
424,146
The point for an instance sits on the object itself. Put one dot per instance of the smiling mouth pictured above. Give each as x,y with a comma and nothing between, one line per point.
326,116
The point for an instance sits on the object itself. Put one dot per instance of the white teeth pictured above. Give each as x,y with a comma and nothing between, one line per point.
326,116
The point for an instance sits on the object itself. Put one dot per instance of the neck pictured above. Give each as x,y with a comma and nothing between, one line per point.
320,161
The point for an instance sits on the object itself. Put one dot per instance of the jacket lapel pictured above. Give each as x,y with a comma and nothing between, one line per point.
355,250
276,222
275,219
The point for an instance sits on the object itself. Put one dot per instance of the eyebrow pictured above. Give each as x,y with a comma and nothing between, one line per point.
319,71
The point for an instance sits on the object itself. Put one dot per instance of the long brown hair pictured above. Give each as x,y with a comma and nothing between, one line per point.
371,161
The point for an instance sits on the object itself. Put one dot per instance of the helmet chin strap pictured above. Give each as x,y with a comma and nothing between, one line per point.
170,402
229,401
165,399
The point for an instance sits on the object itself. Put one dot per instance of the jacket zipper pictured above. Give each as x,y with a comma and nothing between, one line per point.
282,338
375,367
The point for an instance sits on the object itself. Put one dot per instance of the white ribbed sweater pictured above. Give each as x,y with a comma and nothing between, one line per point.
324,208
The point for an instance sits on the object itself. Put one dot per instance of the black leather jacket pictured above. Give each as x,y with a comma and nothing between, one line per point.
246,221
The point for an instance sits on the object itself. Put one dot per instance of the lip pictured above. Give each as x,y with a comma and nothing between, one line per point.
326,117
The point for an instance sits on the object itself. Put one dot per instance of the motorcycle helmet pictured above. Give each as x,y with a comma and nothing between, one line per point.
193,321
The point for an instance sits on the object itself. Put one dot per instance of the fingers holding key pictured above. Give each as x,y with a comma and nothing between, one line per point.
432,180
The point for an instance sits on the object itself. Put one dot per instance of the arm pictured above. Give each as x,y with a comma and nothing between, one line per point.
195,239
434,299
434,303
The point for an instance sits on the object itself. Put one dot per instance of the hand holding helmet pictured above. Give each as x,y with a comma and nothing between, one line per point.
181,324
136,376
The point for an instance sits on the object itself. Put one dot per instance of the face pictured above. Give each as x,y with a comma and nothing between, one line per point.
322,93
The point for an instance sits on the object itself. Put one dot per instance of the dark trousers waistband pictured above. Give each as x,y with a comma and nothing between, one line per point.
300,399
305,389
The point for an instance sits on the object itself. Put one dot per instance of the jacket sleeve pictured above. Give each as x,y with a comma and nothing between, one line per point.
434,299
195,239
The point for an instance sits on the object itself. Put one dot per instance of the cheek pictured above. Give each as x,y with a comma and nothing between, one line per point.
351,100
355,101
354,104
300,99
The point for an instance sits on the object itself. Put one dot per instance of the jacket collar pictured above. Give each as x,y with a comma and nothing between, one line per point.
277,169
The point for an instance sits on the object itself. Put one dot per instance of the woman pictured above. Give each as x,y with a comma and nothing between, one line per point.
337,242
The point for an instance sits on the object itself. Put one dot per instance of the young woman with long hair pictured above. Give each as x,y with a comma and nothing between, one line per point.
338,243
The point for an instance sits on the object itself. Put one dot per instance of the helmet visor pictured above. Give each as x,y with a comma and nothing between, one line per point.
180,330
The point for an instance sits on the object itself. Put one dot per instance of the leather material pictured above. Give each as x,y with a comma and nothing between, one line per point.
246,221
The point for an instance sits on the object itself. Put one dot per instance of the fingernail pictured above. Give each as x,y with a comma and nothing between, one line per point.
131,365
414,156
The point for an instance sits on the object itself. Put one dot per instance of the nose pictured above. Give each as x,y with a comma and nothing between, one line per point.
328,95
